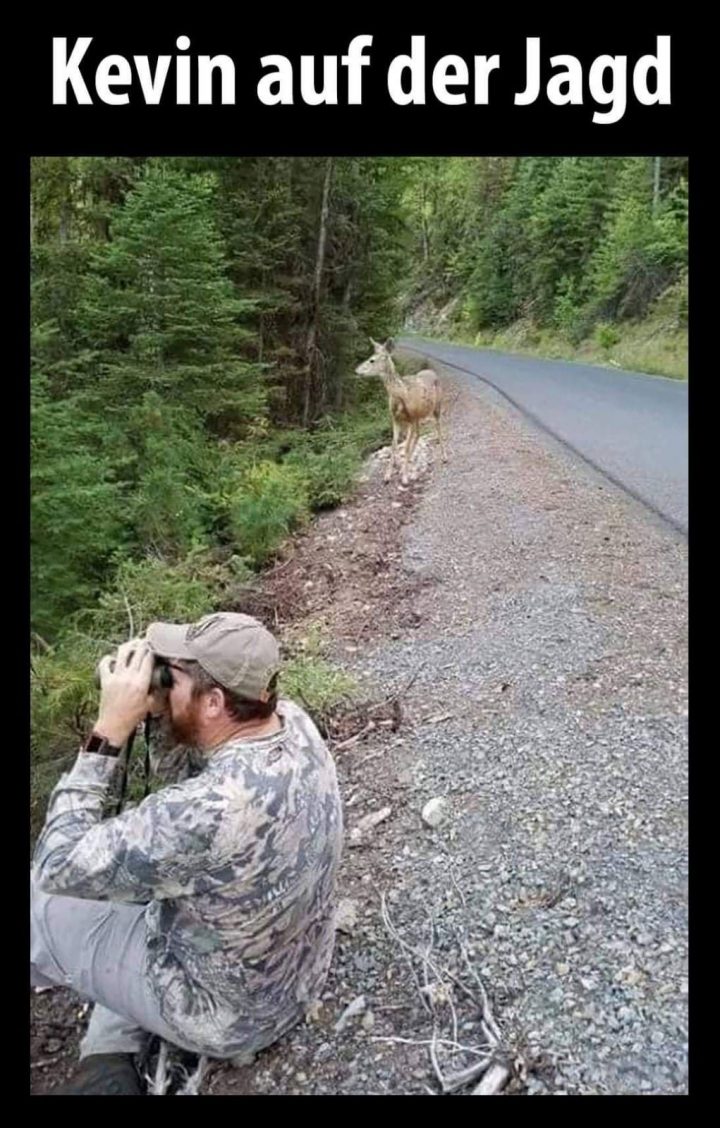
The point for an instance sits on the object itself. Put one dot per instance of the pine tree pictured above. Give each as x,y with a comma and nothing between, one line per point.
163,313
78,509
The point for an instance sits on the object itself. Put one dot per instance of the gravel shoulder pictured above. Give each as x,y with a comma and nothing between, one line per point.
532,619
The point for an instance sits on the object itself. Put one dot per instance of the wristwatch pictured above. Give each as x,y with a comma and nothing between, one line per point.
100,746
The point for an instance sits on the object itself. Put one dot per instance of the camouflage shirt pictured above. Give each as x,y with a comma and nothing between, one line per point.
237,866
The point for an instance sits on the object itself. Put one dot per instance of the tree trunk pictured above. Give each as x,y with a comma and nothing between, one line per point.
311,349
424,222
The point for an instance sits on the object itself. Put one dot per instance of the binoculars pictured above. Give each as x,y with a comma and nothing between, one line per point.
162,675
161,679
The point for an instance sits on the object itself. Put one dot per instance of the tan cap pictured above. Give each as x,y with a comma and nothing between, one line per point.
234,649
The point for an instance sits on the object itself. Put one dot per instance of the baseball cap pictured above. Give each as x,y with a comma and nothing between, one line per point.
236,650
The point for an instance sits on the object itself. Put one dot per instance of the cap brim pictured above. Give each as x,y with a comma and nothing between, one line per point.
168,640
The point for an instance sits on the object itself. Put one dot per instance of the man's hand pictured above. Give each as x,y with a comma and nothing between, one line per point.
125,696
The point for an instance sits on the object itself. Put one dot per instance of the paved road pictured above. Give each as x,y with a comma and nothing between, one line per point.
633,428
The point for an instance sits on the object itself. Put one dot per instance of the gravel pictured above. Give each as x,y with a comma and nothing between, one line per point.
553,633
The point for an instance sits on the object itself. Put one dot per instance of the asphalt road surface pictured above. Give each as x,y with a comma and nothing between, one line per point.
631,427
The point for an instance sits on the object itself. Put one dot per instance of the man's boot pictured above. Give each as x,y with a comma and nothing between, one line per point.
104,1075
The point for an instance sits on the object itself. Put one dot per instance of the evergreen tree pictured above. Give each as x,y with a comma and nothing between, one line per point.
162,311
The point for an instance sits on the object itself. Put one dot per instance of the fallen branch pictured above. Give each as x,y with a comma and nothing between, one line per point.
369,727
406,949
493,1067
488,1023
429,1041
464,1077
279,567
191,1088
371,756
158,1084
493,1082
44,1062
403,690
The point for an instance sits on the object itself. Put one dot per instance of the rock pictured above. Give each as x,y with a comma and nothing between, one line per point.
368,1020
346,915
356,1007
312,1014
367,824
629,975
435,811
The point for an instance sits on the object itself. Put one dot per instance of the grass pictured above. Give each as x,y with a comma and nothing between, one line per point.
308,677
657,344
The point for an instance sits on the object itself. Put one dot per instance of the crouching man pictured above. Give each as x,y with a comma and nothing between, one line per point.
204,915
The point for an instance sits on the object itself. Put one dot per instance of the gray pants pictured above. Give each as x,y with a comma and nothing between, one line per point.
98,949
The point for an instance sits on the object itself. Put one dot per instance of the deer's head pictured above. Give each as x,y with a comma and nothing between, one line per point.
379,364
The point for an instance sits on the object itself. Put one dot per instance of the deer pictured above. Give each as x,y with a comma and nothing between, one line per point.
410,400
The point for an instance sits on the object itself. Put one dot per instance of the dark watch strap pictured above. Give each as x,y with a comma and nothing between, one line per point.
100,745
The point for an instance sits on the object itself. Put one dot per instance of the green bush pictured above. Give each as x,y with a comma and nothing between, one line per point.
567,315
268,501
606,335
155,588
329,475
309,678
315,683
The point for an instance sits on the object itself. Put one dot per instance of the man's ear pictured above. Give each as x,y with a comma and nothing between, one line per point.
216,700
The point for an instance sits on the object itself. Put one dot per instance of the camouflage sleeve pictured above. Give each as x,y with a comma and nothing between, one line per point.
158,849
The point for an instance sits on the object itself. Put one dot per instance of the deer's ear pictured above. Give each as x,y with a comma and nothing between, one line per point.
374,344
389,345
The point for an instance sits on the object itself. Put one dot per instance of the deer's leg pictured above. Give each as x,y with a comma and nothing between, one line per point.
443,452
412,437
393,450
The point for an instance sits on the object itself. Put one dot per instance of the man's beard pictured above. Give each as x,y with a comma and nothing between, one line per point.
184,726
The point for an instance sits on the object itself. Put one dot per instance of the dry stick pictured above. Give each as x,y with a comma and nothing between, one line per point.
449,993
454,1015
452,1083
487,1015
130,616
426,961
403,690
369,727
405,948
464,1076
457,1047
191,1088
419,955
279,567
158,1085
455,883
434,1060
370,756
493,1082
498,1072
43,1062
